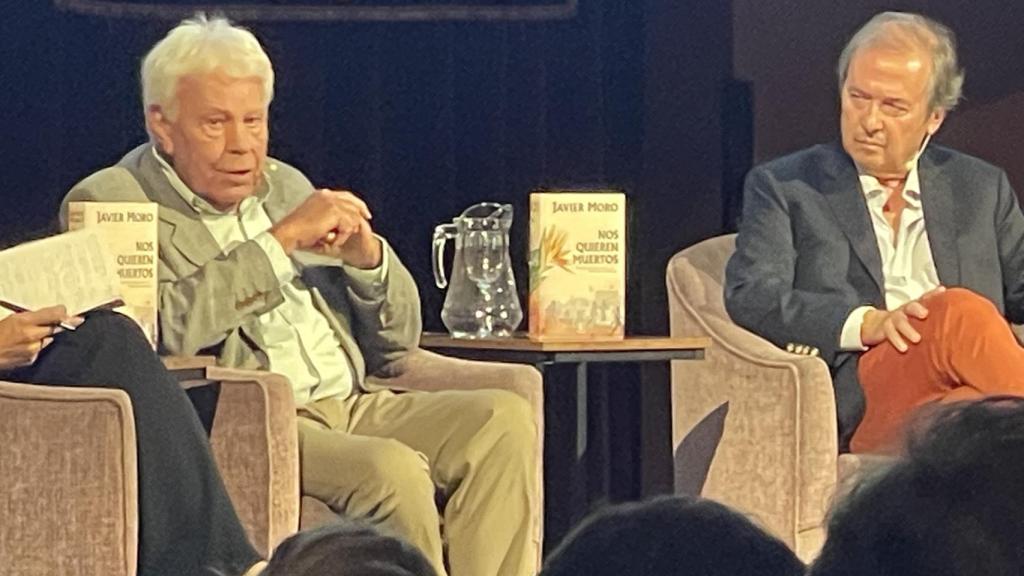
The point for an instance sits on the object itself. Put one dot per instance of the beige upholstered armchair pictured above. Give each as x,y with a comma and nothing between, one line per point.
68,479
764,417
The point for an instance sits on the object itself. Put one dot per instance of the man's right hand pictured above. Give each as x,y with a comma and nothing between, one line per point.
894,325
340,214
24,335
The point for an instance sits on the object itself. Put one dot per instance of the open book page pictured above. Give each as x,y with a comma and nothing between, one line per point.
73,269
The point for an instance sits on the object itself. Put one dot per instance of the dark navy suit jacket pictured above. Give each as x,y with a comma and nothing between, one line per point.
806,254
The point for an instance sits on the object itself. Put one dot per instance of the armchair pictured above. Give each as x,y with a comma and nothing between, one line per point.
68,484
775,454
68,480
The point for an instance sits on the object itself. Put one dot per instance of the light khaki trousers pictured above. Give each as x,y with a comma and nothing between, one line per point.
382,456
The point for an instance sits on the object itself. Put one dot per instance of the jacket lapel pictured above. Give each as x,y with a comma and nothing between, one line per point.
187,232
843,193
938,204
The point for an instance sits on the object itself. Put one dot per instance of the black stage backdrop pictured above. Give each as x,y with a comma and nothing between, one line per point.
336,10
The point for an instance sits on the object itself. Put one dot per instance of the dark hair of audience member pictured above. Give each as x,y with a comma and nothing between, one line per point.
347,548
671,535
951,505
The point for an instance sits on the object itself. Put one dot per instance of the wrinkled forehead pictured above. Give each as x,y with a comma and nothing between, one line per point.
892,71
219,88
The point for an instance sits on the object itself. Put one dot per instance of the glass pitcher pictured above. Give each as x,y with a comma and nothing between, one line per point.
482,301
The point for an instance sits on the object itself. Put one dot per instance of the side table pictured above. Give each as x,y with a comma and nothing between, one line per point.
569,463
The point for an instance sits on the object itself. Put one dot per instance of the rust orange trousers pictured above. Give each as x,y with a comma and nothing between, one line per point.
967,350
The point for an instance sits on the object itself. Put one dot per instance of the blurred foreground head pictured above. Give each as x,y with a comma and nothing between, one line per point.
668,536
347,548
953,504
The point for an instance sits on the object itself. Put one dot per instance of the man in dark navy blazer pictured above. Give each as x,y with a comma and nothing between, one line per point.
898,261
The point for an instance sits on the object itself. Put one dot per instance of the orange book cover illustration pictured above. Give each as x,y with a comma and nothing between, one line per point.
577,265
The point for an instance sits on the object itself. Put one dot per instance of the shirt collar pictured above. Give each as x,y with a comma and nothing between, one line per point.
197,202
871,187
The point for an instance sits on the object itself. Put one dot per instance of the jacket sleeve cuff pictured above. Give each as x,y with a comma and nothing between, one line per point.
850,340
371,284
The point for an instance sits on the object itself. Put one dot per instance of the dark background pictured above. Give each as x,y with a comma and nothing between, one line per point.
669,100
118,4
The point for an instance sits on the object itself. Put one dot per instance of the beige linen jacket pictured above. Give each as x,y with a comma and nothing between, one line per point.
210,302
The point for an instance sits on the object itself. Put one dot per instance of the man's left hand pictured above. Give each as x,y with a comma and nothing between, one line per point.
360,248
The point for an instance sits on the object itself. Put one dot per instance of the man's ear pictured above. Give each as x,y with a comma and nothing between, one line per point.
935,120
159,127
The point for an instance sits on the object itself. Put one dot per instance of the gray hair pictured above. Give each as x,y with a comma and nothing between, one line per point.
947,79
202,45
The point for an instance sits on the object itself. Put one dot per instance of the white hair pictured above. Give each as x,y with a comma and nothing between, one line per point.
947,78
202,45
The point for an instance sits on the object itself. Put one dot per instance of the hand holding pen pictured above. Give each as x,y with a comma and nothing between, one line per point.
67,323
26,333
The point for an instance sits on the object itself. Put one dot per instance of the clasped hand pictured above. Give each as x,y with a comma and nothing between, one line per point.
894,325
24,335
332,223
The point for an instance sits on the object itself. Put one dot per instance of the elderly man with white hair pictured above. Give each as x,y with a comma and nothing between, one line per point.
899,261
264,271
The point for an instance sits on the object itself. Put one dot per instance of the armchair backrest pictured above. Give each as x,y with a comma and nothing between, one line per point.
696,276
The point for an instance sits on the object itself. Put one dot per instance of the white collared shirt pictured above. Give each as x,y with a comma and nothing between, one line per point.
908,268
295,336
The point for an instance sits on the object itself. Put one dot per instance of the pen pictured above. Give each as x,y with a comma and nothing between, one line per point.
19,309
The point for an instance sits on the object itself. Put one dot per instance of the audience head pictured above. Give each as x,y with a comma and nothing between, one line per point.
951,505
898,77
347,548
671,535
207,88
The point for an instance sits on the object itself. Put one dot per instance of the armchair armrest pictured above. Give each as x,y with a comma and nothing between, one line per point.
189,370
778,450
255,443
427,371
68,481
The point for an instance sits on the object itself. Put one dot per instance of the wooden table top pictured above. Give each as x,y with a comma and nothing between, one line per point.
188,362
521,342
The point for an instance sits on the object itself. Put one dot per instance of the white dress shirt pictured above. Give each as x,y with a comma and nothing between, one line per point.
907,265
295,336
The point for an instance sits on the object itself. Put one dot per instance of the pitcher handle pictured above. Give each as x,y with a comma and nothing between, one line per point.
442,233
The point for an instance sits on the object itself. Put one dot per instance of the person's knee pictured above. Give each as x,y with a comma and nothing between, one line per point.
957,311
506,414
379,474
506,428
396,471
111,328
963,302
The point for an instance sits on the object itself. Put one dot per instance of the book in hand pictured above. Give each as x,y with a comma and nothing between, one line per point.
72,269
129,233
577,265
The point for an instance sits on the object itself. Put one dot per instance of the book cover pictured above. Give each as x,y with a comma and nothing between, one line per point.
129,231
577,265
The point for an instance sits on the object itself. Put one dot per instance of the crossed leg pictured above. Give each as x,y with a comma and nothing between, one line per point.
967,350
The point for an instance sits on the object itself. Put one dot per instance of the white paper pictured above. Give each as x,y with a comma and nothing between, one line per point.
74,269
